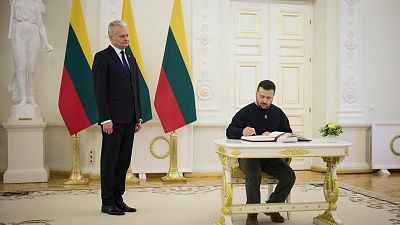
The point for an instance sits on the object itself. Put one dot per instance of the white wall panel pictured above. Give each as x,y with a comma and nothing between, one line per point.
291,85
246,80
385,146
291,50
291,25
248,49
247,23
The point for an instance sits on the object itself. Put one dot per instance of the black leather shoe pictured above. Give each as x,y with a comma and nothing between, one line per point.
124,208
112,210
276,217
251,219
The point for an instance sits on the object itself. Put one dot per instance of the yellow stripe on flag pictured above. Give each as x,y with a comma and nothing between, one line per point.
79,26
127,16
178,29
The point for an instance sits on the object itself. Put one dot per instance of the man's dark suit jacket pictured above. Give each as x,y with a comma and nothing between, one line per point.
117,92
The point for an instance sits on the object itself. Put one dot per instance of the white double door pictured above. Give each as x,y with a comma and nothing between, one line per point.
273,40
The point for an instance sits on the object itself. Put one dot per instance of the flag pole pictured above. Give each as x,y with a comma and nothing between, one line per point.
173,176
76,177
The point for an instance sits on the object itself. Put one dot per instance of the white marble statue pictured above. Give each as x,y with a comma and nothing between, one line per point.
26,31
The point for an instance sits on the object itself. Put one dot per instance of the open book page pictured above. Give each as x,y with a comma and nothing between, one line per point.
273,136
276,136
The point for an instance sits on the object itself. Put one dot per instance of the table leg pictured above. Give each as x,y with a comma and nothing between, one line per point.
331,193
226,190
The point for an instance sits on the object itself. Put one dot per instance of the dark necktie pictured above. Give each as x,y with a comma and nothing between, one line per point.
125,62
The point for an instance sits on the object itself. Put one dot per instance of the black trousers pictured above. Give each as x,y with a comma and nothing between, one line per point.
277,168
116,152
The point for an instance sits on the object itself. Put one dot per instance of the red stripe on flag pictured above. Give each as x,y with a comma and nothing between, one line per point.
70,106
166,105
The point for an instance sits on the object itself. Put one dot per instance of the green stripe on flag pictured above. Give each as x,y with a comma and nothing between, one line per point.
81,76
179,79
144,95
145,104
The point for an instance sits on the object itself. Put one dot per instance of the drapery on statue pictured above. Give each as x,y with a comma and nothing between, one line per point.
26,31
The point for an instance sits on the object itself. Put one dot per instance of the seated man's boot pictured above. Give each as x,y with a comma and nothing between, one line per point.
276,217
251,219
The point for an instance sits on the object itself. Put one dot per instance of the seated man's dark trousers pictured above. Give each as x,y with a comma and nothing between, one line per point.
277,168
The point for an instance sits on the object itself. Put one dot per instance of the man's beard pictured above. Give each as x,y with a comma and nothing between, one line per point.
263,105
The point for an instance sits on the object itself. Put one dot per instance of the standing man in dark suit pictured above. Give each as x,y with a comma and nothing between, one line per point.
116,84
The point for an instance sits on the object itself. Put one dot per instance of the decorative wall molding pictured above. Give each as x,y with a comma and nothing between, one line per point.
350,109
204,61
204,34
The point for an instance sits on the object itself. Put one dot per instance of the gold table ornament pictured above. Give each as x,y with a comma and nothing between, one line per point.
130,177
172,176
76,177
394,151
295,152
236,152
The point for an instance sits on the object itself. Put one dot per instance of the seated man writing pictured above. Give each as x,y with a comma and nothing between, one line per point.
262,117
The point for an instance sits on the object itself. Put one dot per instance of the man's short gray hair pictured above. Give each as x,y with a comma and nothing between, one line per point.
115,23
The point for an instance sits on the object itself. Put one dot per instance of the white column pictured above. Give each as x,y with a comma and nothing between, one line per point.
350,113
350,109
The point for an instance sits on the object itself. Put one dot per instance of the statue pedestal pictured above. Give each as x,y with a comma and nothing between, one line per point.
25,150
24,112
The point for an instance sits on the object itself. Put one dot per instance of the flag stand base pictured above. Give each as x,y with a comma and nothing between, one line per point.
173,176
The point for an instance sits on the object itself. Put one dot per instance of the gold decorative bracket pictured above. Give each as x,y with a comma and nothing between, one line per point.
153,153
396,152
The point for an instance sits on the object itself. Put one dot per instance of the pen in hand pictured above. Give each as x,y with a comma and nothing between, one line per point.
248,131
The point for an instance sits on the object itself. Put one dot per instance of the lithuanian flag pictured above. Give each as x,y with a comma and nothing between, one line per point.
174,100
76,101
133,48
